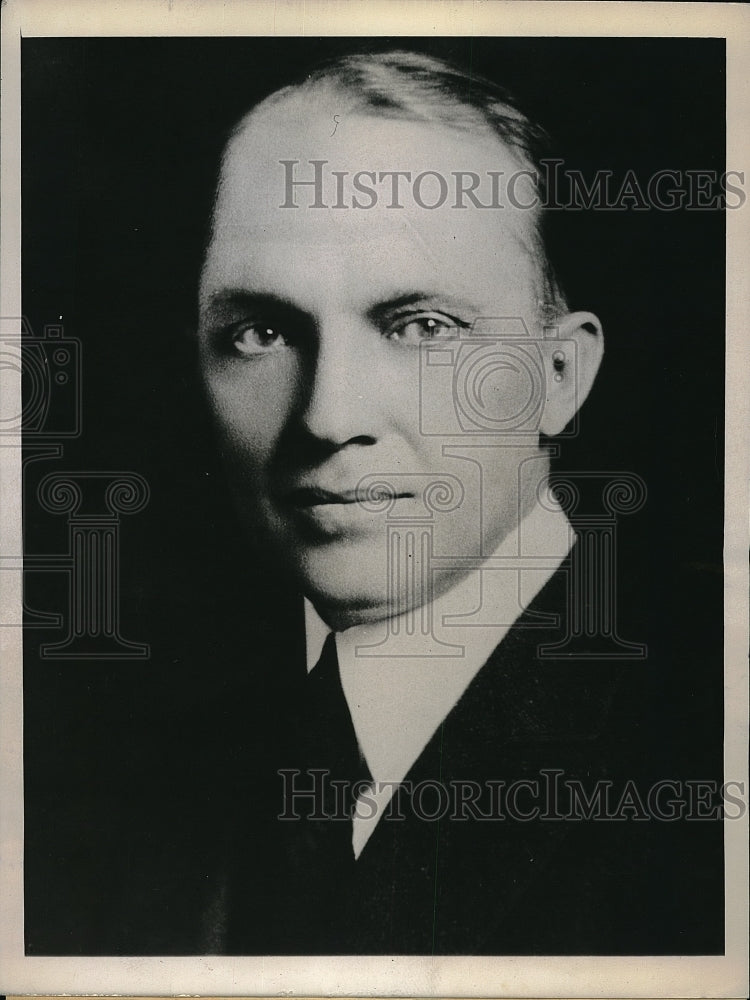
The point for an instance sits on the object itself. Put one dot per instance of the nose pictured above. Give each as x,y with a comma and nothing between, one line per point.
342,382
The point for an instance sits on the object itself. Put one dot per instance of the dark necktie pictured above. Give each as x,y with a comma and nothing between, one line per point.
330,742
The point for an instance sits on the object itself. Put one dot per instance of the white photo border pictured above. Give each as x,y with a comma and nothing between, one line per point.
591,976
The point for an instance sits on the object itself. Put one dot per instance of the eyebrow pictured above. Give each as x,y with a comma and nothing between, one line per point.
402,301
225,299
228,298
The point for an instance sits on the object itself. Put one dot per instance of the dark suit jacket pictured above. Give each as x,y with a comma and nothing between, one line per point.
167,839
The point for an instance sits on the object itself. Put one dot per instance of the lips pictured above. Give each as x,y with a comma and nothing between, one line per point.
315,496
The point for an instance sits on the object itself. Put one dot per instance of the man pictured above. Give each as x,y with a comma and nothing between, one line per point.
401,491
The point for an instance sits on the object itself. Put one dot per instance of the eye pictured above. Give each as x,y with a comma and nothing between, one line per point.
413,329
256,338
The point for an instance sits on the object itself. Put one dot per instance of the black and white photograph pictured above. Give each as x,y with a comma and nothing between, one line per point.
373,580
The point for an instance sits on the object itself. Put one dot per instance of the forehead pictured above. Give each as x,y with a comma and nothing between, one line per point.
254,236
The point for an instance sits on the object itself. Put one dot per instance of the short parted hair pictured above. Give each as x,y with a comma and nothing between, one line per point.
411,86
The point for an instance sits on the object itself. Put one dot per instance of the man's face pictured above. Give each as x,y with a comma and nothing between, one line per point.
314,327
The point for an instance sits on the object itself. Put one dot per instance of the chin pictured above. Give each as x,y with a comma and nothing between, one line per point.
346,587
348,583
341,616
342,608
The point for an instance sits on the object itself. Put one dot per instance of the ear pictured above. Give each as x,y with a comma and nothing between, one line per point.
571,361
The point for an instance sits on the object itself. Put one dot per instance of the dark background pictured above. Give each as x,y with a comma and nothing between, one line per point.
120,143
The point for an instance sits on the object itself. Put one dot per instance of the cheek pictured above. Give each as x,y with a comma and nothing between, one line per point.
251,411
508,393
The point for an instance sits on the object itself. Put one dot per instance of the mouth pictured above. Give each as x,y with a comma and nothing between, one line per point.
315,496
